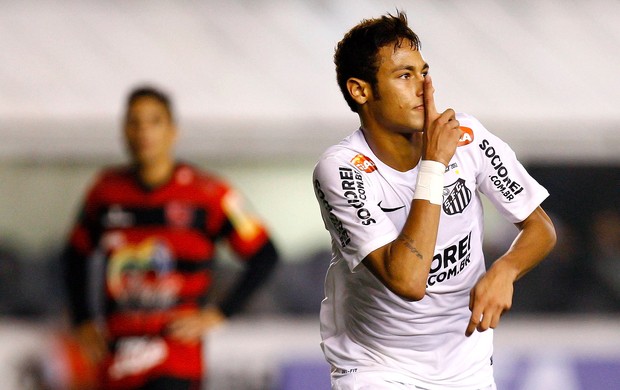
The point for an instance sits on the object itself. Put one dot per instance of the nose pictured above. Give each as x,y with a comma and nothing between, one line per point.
419,86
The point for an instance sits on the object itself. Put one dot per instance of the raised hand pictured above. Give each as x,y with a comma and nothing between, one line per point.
441,131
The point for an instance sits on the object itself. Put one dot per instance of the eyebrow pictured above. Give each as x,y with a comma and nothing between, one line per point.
411,68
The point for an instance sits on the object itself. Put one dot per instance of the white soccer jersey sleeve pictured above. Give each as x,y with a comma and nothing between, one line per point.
350,208
502,178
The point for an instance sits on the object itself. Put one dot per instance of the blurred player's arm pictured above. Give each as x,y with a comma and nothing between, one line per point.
75,277
258,268
87,332
75,258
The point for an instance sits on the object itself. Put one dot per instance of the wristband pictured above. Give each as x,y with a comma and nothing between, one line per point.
430,181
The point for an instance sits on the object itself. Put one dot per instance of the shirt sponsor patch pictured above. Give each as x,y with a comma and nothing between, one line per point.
141,275
467,137
135,355
364,163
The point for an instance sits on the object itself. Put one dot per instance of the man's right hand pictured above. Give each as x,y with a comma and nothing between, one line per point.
441,131
91,341
190,328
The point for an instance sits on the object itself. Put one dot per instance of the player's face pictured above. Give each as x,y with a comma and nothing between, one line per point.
397,103
149,131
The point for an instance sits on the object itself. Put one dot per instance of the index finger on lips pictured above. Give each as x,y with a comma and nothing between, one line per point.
430,110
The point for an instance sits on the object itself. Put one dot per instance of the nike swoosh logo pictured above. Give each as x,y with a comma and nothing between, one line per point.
388,209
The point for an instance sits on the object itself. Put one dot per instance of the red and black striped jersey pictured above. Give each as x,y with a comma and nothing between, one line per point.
157,245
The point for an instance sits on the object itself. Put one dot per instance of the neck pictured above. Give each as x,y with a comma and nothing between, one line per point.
156,174
399,151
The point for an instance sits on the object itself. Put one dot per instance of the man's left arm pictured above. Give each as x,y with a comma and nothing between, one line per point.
257,270
492,295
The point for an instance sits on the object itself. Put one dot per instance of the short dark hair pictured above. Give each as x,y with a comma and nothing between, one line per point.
356,53
150,91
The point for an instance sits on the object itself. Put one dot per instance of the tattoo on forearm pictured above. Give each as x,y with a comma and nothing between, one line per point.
409,243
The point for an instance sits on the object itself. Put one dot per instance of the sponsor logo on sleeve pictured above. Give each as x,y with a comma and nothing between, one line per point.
501,179
364,163
467,137
353,190
450,262
456,197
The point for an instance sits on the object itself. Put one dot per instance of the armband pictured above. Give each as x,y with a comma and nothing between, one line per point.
430,182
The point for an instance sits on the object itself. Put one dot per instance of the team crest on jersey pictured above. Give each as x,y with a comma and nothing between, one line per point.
364,163
467,137
456,197
179,214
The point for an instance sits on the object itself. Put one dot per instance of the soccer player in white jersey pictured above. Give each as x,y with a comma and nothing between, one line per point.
409,303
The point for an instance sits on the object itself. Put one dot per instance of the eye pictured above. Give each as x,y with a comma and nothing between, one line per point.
405,76
425,73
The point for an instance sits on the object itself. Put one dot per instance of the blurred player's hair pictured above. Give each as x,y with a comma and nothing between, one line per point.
149,91
356,53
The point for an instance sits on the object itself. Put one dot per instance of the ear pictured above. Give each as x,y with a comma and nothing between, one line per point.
359,90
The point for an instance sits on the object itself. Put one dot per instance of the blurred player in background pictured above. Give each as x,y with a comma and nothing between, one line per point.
154,226
409,304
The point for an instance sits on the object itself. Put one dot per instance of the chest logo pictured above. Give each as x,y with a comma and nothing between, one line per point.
389,209
179,214
456,197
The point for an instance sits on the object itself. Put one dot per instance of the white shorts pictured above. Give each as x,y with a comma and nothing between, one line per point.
377,380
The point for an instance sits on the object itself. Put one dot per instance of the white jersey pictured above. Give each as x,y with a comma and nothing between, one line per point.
364,204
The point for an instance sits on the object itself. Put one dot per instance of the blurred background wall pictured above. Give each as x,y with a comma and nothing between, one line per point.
255,91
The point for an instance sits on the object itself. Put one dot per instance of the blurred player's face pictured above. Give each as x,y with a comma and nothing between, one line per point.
397,102
149,131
